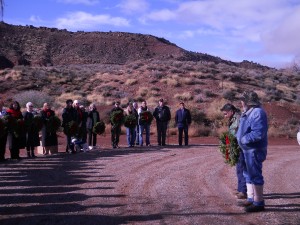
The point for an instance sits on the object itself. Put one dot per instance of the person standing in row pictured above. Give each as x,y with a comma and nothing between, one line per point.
69,115
3,136
233,115
16,138
143,125
49,137
137,129
130,131
93,118
162,115
252,136
116,125
32,133
183,120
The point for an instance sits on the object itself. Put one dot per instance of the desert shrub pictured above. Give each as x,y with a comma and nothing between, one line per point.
170,82
198,116
131,81
143,91
188,81
38,98
61,100
229,95
288,129
198,98
186,96
208,93
199,131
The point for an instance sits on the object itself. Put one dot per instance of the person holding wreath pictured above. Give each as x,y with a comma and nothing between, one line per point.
93,118
137,129
116,120
183,120
32,129
69,117
15,136
130,124
162,115
232,114
145,119
50,127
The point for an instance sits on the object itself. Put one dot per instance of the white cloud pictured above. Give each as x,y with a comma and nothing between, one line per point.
35,19
84,2
134,6
83,20
285,37
161,15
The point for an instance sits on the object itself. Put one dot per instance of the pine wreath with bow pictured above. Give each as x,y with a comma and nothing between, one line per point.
229,148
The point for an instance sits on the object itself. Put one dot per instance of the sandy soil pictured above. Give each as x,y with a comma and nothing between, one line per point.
145,185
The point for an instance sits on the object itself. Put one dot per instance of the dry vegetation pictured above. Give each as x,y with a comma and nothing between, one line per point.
204,86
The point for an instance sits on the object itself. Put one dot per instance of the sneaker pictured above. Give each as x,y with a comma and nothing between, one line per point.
255,208
148,145
91,147
241,195
244,203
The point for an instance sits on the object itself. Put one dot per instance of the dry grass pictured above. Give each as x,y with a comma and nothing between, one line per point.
131,82
61,100
186,96
170,82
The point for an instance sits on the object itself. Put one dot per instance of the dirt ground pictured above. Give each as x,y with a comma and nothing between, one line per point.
145,185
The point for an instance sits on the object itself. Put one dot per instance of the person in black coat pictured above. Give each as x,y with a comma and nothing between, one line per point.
49,138
183,120
116,128
69,114
93,118
32,134
162,115
15,139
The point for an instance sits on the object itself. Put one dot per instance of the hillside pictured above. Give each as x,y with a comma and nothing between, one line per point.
46,64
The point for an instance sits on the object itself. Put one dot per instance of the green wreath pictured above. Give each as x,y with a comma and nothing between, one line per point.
99,128
117,118
130,121
146,117
53,124
34,124
71,128
229,148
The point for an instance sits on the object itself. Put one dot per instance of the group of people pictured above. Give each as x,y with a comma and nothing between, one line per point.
250,129
24,134
85,138
162,115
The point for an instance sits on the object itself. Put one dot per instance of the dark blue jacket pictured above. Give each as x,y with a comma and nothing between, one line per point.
183,119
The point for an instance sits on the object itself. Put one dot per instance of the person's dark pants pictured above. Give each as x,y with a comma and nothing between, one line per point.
70,145
14,146
92,138
184,130
161,132
240,167
115,136
137,137
3,140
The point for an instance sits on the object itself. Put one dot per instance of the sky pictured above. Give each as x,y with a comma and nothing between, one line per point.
262,31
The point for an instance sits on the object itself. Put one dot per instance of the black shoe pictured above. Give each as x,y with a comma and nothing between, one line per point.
244,203
255,208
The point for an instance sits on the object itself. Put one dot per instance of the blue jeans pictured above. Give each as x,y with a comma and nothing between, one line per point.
142,128
253,169
130,133
137,136
240,167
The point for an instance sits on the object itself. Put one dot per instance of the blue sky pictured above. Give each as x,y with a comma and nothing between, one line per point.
263,31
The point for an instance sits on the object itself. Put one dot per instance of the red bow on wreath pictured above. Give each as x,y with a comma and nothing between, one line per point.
227,147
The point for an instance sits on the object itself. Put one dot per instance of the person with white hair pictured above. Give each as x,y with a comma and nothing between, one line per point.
32,134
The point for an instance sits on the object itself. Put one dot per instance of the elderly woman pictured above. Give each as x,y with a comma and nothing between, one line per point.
93,118
32,134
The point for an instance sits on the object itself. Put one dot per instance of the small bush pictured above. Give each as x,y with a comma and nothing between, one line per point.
38,98
186,96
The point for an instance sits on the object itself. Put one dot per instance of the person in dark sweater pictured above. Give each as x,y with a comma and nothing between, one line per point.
183,120
162,115
69,114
